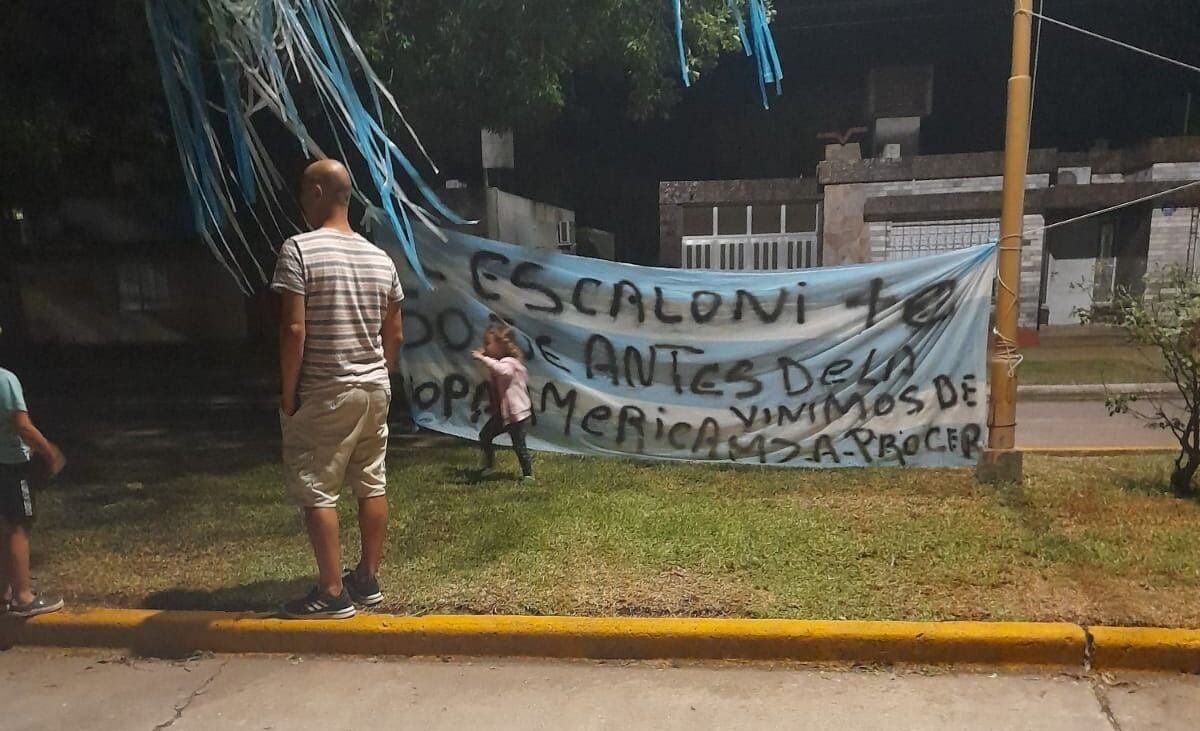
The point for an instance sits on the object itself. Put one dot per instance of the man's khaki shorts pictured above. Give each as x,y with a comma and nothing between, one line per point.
338,434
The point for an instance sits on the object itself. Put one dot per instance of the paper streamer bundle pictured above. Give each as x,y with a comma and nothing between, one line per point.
262,50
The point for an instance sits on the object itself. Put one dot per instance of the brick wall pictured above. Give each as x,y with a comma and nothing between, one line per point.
847,239
1031,271
1170,238
1182,171
951,185
1161,171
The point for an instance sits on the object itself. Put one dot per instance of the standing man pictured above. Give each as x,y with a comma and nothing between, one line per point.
339,334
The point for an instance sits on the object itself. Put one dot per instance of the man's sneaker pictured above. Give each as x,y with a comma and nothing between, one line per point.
362,591
41,604
317,606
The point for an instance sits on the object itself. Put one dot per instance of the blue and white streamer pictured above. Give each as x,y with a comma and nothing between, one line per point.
757,42
261,48
676,6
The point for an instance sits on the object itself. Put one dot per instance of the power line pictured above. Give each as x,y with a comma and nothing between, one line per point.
1117,207
1041,16
1116,42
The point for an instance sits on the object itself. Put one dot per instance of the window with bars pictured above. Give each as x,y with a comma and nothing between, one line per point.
762,256
910,240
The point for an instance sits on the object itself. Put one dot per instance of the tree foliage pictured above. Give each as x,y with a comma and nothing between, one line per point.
81,94
1166,318
501,63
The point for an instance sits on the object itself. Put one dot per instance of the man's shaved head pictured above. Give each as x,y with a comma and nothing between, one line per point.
331,176
325,192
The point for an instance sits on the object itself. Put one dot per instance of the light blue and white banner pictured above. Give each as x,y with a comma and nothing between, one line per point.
848,366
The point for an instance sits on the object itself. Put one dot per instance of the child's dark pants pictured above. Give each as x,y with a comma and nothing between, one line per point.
494,428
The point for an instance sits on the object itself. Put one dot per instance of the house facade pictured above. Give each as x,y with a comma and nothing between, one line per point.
896,207
745,225
95,272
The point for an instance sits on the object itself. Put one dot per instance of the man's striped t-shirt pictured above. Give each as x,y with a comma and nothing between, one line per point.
348,285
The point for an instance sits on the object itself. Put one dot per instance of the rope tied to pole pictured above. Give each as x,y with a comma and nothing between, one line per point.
1006,345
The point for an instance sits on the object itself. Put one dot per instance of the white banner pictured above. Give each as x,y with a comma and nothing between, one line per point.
836,367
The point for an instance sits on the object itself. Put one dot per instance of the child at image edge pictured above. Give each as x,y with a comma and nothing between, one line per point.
508,390
19,441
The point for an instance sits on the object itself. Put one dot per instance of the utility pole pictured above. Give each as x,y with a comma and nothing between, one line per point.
1001,463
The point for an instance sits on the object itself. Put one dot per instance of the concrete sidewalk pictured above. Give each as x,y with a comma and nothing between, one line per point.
58,690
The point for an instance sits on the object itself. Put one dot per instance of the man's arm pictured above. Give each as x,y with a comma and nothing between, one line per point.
393,335
291,349
23,426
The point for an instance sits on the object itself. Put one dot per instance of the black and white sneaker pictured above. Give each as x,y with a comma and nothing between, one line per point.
41,604
317,606
362,591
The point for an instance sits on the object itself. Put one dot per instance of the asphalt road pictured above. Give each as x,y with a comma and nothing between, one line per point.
145,439
1082,424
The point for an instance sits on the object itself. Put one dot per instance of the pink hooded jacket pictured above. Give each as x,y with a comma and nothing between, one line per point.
508,388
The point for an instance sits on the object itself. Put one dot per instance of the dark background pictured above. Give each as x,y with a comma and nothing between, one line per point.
81,61
1087,91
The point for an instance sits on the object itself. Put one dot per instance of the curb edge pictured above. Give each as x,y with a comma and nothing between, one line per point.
176,633
1145,648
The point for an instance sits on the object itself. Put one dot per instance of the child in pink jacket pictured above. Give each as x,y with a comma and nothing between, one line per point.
508,390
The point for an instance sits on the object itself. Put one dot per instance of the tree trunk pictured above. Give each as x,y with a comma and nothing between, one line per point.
1185,470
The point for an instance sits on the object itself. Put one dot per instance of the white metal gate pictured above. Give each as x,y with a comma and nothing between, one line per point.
754,238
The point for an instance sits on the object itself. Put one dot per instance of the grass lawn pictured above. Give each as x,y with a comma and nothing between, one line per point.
1086,362
1083,540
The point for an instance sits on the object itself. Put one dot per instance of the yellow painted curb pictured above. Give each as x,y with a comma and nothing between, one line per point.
169,633
1136,648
